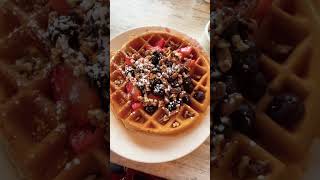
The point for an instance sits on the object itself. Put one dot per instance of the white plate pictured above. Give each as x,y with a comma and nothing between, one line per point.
207,32
148,148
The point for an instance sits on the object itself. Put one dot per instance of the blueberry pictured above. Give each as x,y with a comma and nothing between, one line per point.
150,109
243,119
245,64
254,88
142,89
186,99
172,105
73,41
155,82
188,85
175,83
158,90
199,96
286,109
231,85
156,56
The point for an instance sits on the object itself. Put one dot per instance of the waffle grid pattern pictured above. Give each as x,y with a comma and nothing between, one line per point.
32,124
284,148
140,120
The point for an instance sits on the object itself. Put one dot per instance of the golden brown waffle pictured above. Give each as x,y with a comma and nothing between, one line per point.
139,119
285,149
32,124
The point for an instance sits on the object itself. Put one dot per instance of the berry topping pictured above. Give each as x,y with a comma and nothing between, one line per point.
255,87
243,119
155,58
133,91
150,109
158,90
191,64
185,51
286,109
188,85
161,43
186,99
199,95
136,106
172,105
128,61
159,77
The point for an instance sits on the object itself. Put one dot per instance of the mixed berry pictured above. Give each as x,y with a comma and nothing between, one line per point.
159,78
286,109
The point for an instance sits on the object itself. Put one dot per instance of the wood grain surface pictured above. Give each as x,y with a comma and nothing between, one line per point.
189,17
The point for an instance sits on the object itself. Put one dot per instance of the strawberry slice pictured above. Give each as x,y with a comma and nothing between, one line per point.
85,138
185,51
129,87
135,94
133,91
136,106
191,64
128,61
161,43
61,6
75,92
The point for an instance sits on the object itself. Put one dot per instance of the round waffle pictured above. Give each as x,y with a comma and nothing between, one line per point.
293,71
33,124
121,101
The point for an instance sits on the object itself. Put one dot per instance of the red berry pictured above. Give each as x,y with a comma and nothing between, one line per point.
186,51
161,43
133,91
136,106
129,87
128,61
191,64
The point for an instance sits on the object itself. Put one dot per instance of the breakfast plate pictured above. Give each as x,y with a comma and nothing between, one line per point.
147,148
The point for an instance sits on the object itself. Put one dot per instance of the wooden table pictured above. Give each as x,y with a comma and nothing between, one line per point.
187,16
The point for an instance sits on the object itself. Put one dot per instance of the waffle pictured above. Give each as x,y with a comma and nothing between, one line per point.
283,148
33,124
121,103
